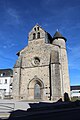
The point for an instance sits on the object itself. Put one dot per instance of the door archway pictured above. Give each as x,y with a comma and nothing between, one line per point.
35,89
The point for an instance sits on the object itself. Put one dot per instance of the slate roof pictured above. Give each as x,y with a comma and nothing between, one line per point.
49,37
58,35
6,72
75,87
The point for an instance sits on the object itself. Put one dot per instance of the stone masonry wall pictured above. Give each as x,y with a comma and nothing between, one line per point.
65,72
28,74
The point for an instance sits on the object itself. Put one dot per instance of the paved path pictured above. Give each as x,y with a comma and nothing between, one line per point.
41,111
6,106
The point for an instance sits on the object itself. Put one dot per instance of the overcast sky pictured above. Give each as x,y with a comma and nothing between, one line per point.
17,17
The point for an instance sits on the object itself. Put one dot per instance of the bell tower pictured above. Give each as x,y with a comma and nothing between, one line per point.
39,34
36,33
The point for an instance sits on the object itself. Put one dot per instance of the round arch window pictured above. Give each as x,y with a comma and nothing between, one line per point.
36,61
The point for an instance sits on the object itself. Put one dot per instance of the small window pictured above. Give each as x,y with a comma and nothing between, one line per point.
35,29
0,81
4,90
38,35
5,81
34,36
38,28
2,74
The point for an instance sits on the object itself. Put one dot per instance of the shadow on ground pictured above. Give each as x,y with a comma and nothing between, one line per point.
48,111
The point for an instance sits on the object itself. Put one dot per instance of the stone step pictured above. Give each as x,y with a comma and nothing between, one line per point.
6,107
4,115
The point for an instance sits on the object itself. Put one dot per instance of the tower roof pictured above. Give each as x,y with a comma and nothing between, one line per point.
58,35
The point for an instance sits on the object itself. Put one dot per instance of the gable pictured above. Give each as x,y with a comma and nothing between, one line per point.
36,33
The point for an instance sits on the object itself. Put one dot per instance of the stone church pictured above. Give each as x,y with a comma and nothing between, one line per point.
41,71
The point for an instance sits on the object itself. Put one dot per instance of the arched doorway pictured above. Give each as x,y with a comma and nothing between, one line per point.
37,91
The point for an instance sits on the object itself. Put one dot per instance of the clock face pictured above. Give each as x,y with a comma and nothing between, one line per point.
36,61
